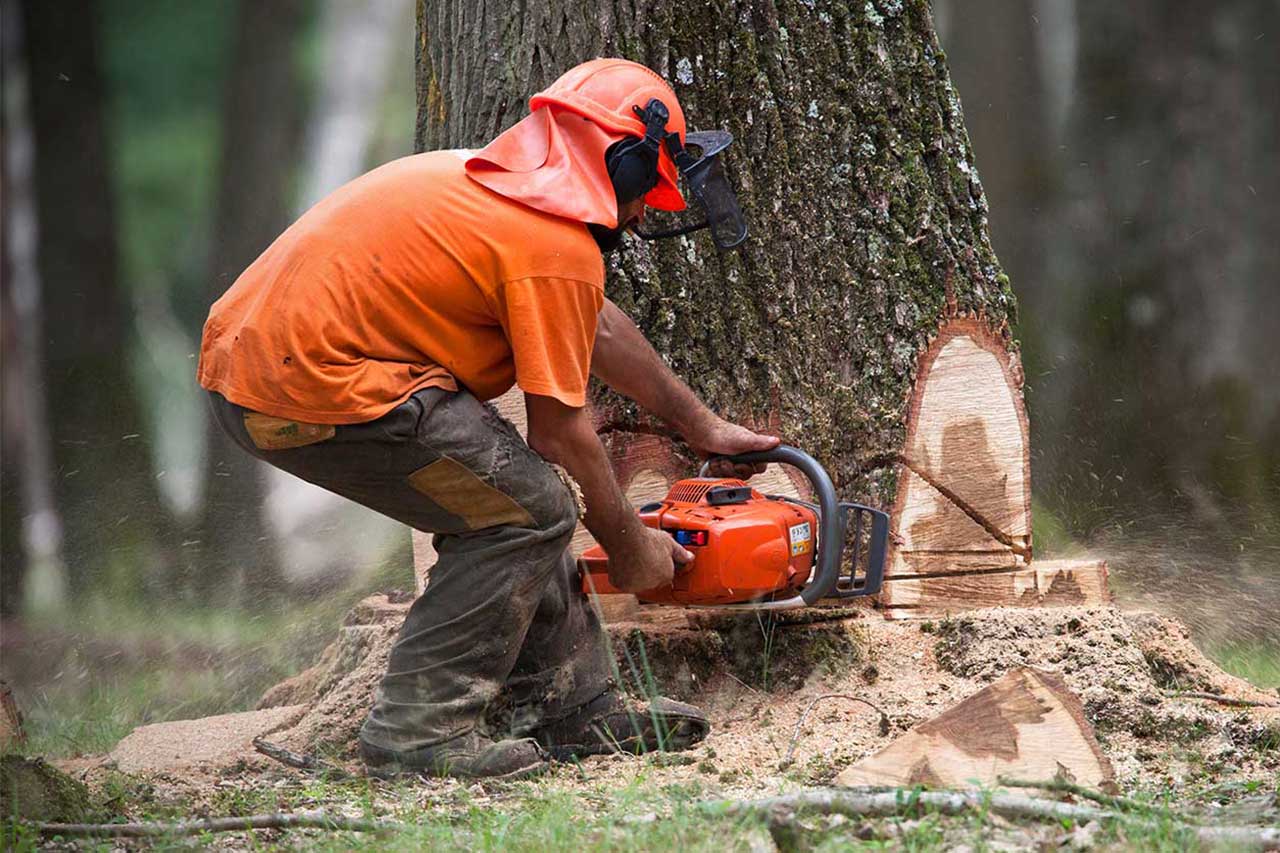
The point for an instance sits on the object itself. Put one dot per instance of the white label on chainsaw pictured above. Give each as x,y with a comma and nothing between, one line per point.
800,537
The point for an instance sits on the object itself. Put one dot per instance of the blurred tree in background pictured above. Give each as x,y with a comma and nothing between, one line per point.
261,128
166,153
116,529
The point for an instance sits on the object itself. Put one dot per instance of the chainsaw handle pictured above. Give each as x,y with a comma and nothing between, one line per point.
830,533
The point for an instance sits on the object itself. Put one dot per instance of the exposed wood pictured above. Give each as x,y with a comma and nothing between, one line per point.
11,732
616,608
1028,725
1045,583
964,496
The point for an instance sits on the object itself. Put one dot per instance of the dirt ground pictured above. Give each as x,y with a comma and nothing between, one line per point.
756,680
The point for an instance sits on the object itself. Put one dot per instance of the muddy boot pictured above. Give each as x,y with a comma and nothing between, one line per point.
468,757
614,722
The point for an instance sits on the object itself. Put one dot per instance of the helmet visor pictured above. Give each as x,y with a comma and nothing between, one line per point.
706,183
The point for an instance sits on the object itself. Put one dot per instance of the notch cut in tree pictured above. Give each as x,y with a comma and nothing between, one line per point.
1027,725
866,320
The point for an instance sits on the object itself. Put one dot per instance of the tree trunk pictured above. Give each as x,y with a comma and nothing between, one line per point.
116,525
30,527
867,317
261,126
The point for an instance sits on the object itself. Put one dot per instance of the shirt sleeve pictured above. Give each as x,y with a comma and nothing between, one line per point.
550,323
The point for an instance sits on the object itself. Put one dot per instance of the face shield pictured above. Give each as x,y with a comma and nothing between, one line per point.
706,183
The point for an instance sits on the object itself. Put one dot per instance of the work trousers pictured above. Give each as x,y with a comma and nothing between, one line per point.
503,638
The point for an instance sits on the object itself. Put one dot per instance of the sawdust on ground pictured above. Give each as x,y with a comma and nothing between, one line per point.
1125,667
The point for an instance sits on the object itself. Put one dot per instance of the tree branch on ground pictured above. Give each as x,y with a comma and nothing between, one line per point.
903,803
299,820
1062,786
298,760
1220,699
795,736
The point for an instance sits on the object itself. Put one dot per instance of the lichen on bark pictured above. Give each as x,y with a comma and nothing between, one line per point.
868,220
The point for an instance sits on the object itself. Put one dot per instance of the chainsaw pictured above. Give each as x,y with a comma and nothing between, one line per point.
756,551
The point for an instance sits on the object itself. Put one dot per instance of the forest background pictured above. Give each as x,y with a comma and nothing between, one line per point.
148,570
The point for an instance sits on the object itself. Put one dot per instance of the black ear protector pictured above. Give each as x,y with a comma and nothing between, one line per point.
633,162
633,168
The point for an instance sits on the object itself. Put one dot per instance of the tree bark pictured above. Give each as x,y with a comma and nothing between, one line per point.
868,266
116,526
261,129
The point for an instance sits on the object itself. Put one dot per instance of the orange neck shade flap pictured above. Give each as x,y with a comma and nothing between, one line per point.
553,160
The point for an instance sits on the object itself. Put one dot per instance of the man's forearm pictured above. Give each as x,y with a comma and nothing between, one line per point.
627,363
572,442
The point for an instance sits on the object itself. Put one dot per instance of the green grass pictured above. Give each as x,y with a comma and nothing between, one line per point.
643,814
86,680
1257,662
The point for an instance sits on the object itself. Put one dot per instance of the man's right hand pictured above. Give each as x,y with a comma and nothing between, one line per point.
645,559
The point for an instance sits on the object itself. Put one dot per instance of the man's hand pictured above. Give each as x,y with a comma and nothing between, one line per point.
624,361
646,560
714,436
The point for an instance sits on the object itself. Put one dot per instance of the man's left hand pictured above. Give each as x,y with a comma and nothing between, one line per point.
718,437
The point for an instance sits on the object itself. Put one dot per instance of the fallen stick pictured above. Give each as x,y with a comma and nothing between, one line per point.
901,802
1064,787
795,736
1220,699
298,820
298,760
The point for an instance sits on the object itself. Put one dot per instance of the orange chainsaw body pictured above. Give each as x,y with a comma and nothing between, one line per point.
746,546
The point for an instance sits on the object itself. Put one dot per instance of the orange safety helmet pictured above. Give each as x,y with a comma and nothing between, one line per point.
554,159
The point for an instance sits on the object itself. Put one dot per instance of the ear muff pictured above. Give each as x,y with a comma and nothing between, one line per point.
633,162
633,169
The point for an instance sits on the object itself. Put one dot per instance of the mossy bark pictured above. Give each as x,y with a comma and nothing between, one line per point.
30,789
868,221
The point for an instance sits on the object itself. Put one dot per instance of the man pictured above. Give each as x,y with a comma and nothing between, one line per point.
356,352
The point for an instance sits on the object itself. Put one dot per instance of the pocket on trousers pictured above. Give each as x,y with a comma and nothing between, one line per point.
456,489
271,433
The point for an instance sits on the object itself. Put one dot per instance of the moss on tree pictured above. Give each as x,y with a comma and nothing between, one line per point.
32,790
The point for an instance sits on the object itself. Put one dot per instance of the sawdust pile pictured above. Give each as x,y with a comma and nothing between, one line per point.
756,679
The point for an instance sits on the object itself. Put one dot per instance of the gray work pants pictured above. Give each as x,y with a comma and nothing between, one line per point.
503,630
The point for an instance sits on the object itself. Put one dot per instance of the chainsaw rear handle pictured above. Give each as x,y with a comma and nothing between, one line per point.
830,523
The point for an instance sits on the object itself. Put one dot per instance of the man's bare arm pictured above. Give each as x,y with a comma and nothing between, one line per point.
639,557
627,363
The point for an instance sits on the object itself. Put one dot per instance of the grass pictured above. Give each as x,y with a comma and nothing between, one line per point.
1257,662
85,680
643,814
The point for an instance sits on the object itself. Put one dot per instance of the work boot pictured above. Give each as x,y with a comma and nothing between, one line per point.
470,756
614,722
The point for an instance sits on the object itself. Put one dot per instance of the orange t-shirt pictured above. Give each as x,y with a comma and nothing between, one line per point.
410,276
